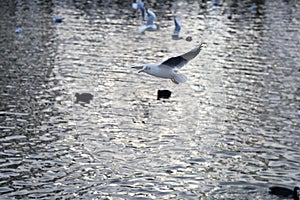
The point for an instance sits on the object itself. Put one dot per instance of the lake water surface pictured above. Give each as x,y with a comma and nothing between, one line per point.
230,132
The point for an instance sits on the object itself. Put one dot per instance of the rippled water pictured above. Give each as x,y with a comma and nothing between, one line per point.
76,125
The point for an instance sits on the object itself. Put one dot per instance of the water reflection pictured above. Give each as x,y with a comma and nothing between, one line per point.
230,132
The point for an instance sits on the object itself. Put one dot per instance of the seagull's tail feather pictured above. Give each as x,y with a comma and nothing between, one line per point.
179,78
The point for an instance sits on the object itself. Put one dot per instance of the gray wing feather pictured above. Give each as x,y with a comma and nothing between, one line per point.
175,62
192,53
180,61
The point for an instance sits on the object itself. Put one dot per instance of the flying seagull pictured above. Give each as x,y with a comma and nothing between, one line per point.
150,26
140,5
57,19
177,29
168,68
18,30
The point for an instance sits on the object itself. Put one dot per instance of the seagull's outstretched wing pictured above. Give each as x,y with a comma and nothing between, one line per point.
151,18
144,13
174,62
138,4
180,61
177,26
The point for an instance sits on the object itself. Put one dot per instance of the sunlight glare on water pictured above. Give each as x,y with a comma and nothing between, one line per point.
77,124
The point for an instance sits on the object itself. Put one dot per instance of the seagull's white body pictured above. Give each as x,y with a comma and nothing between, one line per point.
155,70
168,68
161,71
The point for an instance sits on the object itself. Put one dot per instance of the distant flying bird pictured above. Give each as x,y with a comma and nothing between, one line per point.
57,19
140,5
177,29
253,8
168,68
216,3
150,26
18,30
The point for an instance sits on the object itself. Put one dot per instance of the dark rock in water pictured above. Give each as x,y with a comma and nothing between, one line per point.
83,97
163,94
285,192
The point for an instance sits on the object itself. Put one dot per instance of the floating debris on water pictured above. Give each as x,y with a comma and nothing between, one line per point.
83,97
163,94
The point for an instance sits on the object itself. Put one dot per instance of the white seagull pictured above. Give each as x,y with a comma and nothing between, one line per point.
140,5
168,68
150,26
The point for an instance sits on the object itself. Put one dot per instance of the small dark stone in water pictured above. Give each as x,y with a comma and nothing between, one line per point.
285,192
83,97
163,94
188,38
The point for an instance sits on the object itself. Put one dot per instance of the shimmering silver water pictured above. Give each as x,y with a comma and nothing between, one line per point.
230,132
